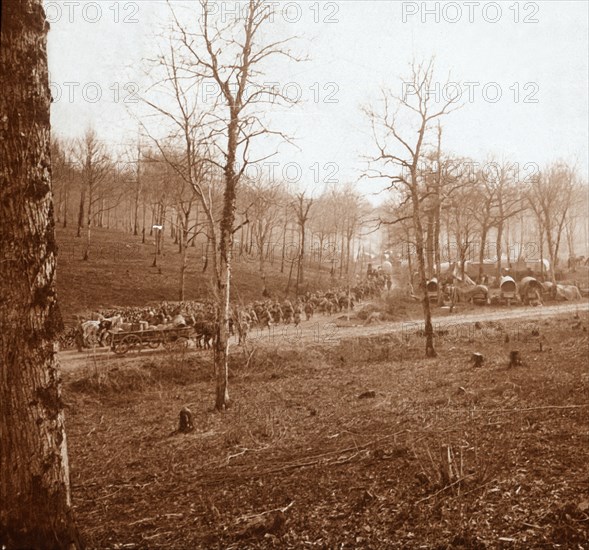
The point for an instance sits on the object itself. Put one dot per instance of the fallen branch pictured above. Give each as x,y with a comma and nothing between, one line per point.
531,525
242,452
253,516
144,520
317,459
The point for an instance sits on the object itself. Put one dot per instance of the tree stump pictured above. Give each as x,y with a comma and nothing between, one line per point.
477,360
186,423
515,359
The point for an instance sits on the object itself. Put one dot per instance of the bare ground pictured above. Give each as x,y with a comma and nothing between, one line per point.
337,443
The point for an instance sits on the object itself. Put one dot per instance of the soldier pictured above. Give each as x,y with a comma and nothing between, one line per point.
243,326
287,311
298,310
309,309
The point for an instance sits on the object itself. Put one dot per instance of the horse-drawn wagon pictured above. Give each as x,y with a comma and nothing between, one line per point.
172,339
432,289
508,289
531,290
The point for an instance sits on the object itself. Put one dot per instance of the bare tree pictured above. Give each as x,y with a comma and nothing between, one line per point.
398,160
576,212
263,199
509,203
462,219
98,181
62,169
35,497
550,196
322,225
232,56
486,199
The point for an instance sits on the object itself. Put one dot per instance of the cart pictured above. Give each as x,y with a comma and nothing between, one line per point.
530,290
172,339
508,289
432,289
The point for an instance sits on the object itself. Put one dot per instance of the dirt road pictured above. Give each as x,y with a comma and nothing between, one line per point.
331,329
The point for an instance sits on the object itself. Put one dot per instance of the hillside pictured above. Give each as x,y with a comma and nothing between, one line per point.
119,272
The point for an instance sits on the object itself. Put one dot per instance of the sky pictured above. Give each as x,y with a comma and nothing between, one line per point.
521,67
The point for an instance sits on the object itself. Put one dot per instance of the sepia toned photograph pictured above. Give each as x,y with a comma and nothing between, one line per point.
294,274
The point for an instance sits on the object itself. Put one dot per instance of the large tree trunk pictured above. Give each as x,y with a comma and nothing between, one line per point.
35,501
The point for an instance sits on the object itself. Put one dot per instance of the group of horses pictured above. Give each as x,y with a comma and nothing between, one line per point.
96,328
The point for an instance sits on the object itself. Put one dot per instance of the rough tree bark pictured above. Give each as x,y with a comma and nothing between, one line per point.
35,500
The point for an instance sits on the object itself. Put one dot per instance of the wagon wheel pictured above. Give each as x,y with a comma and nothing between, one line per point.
120,348
133,342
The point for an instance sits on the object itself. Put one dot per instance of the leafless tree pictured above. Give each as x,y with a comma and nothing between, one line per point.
63,177
462,208
263,202
549,196
576,213
399,157
509,203
231,56
100,179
